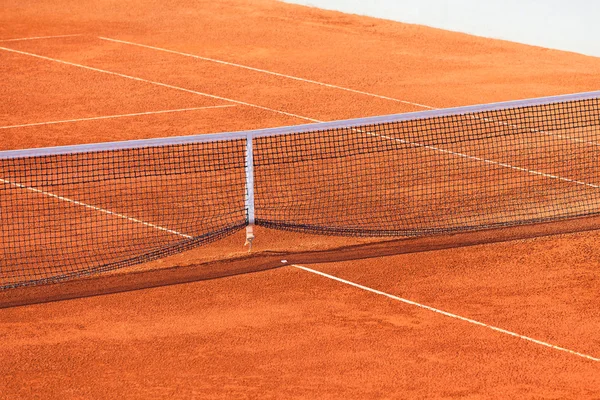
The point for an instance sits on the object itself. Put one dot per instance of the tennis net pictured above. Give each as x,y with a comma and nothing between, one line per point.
76,210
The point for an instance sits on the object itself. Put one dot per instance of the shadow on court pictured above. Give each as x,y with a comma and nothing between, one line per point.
267,260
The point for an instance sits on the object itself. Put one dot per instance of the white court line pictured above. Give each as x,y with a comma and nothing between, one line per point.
91,207
159,84
302,117
38,37
264,71
533,130
533,172
484,160
448,314
115,116
214,60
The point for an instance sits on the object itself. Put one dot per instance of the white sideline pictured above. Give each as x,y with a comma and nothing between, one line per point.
159,84
115,116
38,37
264,71
214,60
484,160
448,314
420,145
533,130
148,224
91,207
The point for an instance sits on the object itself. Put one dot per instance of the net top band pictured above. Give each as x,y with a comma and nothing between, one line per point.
293,129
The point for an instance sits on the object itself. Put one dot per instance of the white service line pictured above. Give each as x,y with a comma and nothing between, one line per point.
95,208
38,37
448,314
264,71
116,116
159,84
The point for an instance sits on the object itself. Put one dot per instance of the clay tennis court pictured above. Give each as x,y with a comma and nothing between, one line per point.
455,317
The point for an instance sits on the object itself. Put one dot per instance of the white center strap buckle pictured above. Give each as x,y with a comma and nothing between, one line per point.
249,237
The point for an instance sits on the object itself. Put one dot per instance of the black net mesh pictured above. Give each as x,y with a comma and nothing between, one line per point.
63,216
69,215
424,176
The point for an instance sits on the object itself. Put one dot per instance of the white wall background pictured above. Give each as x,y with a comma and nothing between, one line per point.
572,25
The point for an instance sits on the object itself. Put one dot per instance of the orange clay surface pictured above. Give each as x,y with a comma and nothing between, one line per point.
287,333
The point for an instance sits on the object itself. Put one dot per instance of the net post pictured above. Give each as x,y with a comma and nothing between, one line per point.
249,191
